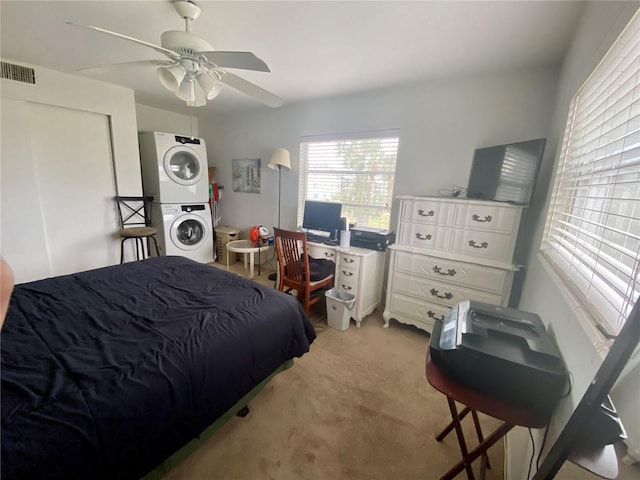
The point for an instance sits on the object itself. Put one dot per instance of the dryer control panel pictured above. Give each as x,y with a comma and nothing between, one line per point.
184,140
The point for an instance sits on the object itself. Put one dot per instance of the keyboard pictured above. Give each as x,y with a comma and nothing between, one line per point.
320,239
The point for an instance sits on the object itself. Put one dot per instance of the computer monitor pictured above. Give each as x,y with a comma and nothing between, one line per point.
322,216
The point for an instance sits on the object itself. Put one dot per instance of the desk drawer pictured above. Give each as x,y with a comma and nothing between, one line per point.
350,284
348,261
317,251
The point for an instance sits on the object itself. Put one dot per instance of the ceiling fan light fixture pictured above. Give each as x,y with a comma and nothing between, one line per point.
210,85
171,77
191,93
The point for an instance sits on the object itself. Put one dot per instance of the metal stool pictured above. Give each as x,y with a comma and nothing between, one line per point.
135,223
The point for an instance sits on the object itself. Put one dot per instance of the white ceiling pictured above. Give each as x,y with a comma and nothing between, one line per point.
314,49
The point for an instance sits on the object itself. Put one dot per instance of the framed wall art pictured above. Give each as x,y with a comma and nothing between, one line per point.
246,175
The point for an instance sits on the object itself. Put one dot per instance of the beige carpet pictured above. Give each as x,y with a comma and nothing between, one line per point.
357,406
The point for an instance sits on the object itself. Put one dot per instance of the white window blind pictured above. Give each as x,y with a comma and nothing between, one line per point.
358,172
592,233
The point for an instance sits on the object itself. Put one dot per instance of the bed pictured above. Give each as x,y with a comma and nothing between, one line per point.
107,373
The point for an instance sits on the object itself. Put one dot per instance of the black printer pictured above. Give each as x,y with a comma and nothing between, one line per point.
372,238
501,352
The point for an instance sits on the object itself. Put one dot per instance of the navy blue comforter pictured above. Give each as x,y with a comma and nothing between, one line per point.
108,372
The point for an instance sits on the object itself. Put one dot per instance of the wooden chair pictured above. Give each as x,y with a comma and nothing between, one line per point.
135,223
308,279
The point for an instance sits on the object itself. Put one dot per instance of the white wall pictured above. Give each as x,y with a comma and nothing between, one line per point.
151,119
600,25
441,123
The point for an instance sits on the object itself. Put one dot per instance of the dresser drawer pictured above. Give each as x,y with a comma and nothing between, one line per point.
422,235
450,271
429,211
418,309
440,293
494,246
490,218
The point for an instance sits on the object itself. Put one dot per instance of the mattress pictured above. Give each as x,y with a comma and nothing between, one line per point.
106,373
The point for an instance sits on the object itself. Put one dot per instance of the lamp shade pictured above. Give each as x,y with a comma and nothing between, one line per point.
211,86
171,76
281,159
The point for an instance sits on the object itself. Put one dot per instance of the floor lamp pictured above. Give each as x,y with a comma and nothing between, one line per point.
281,159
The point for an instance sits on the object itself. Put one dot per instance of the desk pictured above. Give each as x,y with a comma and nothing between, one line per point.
358,270
247,248
474,401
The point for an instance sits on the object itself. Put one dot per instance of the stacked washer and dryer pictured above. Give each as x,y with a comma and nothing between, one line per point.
175,174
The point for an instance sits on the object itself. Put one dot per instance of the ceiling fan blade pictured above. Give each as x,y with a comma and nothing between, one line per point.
126,65
243,60
250,89
169,53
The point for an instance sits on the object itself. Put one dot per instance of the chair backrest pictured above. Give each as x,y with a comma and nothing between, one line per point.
293,257
134,211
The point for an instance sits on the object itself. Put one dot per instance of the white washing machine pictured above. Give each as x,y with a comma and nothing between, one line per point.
184,230
174,168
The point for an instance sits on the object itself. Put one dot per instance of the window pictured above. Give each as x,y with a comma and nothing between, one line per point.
356,170
592,234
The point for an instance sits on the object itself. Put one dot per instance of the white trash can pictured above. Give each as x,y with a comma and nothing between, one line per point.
339,306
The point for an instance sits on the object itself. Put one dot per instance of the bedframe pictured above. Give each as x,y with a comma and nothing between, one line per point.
107,373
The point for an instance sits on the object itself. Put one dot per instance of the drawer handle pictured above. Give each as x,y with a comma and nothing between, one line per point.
451,272
476,218
329,255
434,315
472,243
422,213
349,260
346,287
347,274
420,236
447,295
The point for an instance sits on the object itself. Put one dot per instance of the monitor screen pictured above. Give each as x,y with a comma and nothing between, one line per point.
322,216
506,173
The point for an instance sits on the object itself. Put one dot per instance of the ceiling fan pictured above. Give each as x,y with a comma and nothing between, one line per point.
194,71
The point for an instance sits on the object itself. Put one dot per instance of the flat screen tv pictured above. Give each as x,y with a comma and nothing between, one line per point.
506,173
322,216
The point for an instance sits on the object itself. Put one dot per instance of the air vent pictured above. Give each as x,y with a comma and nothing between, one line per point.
11,71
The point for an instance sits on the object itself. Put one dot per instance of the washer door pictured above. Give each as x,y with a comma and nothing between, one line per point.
189,232
183,165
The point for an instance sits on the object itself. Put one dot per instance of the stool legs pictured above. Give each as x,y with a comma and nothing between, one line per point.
140,247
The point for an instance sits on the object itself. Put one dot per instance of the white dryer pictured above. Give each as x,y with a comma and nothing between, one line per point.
184,230
174,168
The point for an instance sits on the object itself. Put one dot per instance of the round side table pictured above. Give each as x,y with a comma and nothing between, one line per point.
248,249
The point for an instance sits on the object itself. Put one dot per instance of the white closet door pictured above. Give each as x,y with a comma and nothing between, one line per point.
23,243
71,177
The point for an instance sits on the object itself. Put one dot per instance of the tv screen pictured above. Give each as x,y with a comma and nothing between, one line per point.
322,216
506,173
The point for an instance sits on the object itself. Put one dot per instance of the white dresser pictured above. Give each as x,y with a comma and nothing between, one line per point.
359,271
449,250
